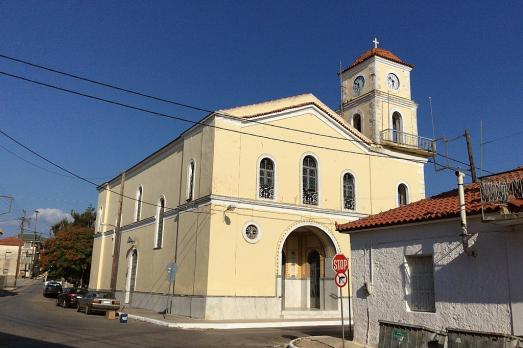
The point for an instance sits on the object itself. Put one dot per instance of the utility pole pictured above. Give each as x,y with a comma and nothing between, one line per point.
117,238
471,157
21,237
35,255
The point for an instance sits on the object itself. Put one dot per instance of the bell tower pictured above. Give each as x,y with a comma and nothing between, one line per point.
377,99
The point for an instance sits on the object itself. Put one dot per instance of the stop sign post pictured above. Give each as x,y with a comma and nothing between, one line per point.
340,265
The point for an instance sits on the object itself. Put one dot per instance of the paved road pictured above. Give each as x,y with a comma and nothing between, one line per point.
27,319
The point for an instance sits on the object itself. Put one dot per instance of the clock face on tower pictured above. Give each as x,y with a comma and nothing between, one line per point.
393,82
359,82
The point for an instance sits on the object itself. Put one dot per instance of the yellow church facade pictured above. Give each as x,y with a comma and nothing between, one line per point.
245,202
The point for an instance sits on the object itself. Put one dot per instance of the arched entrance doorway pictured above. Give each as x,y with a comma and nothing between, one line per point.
307,279
131,275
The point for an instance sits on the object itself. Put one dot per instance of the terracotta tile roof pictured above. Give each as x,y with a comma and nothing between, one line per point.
380,52
444,205
12,241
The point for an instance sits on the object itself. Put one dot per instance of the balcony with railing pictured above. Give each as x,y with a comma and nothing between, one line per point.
408,142
502,197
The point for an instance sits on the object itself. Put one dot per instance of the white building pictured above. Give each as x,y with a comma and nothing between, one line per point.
409,264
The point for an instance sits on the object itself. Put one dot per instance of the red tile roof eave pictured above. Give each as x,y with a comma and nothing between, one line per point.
381,56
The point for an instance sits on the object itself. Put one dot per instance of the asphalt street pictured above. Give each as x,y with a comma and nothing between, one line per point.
27,319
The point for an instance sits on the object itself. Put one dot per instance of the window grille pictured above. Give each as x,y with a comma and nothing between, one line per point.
421,283
310,181
266,189
349,196
159,232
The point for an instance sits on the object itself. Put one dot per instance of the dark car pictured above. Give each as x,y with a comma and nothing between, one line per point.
52,289
98,301
69,297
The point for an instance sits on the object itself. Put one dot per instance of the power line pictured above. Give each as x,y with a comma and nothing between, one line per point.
163,115
165,100
169,101
502,138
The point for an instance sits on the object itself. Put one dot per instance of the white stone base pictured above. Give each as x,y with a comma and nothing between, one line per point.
222,307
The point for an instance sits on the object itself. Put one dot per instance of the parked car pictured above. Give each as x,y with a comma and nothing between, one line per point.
52,289
69,297
98,301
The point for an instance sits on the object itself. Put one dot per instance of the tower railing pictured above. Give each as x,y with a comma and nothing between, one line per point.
406,139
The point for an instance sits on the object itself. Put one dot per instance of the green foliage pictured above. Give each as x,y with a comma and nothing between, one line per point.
68,254
86,219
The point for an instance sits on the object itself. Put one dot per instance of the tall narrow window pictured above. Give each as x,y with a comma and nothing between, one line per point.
159,232
403,195
420,277
310,181
356,122
397,128
266,180
349,196
99,219
190,181
139,195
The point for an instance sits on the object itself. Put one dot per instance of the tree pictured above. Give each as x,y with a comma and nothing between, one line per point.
68,254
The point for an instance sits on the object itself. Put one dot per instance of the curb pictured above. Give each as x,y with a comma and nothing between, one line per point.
231,326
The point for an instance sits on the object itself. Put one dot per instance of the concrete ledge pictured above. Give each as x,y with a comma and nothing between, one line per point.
235,325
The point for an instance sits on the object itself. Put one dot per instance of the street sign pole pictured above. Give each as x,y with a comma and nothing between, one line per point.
340,264
342,322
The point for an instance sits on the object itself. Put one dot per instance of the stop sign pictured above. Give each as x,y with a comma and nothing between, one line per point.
340,264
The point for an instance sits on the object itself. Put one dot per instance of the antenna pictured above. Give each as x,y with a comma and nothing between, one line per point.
432,119
481,148
341,92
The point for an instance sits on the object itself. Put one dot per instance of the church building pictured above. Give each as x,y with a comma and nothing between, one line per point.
236,217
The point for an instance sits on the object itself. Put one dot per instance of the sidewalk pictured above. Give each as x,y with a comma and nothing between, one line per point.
323,342
180,322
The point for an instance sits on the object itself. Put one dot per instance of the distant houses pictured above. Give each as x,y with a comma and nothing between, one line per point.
412,264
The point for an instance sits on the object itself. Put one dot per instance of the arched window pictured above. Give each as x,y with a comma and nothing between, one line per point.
99,219
159,231
397,127
266,180
356,122
403,194
349,196
138,208
190,181
310,180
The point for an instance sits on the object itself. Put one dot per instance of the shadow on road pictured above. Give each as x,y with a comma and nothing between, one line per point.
22,342
5,293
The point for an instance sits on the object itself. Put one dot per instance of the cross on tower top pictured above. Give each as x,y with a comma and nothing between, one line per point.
376,42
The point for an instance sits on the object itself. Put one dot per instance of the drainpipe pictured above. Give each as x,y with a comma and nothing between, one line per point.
463,213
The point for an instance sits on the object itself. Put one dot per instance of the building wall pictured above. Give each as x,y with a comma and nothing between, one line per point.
476,293
8,258
237,157
163,175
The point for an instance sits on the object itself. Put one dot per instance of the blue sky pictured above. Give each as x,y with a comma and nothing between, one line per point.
468,57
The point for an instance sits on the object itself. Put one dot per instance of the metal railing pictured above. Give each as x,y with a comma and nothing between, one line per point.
310,197
406,139
501,190
266,191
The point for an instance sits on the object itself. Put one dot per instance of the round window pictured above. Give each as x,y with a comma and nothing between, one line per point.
251,233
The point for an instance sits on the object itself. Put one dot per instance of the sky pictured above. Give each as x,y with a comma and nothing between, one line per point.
468,58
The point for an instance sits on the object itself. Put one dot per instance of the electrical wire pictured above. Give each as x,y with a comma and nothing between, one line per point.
164,115
502,138
46,169
173,102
